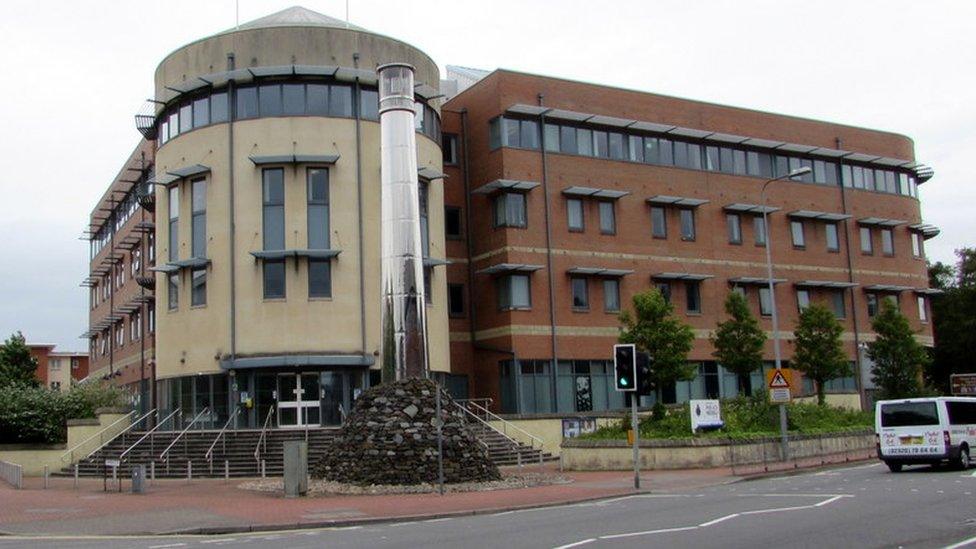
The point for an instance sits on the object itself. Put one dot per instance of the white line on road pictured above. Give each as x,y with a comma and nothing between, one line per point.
576,544
962,543
648,532
167,545
718,520
223,540
438,520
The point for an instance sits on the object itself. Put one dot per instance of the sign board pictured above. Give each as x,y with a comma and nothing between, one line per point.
705,414
963,384
574,427
112,463
778,382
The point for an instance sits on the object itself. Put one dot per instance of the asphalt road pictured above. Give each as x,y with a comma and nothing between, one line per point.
862,506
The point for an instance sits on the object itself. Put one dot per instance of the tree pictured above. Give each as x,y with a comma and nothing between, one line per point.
818,352
17,366
898,358
654,330
739,341
953,319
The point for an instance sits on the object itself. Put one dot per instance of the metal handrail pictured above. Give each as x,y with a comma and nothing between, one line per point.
71,452
206,410
209,454
264,429
505,423
148,433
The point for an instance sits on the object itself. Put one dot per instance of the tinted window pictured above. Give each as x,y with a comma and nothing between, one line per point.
452,221
369,104
833,243
218,107
611,295
687,224
574,211
581,298
961,413
665,152
567,139
340,101
909,414
693,296
269,99
659,225
247,103
318,99
274,279
608,221
600,144
584,142
319,278
186,118
455,299
293,98
201,112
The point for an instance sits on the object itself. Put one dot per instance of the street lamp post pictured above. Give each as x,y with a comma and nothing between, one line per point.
772,298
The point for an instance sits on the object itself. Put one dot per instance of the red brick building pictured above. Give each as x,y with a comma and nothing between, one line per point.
564,199
56,369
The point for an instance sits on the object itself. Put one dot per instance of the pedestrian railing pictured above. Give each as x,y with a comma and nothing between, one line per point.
69,456
165,455
220,436
476,410
263,440
12,473
150,435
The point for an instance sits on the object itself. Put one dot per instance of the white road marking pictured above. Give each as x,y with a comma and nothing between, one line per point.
718,520
576,544
962,543
222,540
438,520
167,545
648,532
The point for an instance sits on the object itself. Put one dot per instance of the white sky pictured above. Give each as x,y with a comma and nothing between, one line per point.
76,72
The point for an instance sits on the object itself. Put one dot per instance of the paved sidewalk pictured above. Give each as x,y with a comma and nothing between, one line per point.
219,506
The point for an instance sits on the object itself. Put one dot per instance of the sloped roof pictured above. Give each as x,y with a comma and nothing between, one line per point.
297,16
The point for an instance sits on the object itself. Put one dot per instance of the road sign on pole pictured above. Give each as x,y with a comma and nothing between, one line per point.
779,385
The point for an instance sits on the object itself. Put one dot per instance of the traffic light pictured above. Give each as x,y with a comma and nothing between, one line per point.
625,367
645,386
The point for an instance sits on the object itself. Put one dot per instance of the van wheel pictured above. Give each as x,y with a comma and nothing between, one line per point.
963,462
893,467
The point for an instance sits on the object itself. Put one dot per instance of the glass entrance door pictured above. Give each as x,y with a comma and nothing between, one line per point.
298,400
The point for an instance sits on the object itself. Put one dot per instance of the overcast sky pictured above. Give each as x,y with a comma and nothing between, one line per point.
76,72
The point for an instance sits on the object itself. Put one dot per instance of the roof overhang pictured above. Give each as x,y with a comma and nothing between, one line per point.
327,159
503,268
499,185
880,222
598,271
667,200
681,276
594,192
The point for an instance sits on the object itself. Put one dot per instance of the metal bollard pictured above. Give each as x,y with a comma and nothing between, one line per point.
76,476
46,475
226,470
518,456
152,470
540,456
262,469
189,470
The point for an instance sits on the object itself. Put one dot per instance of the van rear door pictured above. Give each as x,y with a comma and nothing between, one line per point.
910,429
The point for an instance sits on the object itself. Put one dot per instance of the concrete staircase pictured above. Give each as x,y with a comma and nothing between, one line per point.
505,451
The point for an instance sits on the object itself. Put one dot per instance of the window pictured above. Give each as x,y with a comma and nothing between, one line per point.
173,290
422,196
269,99
186,118
796,230
174,222
665,289
293,99
833,241
872,299
584,142
514,292
734,225
887,242
617,146
199,217
495,133
567,139
317,193
611,295
273,223
608,220
759,230
659,222
510,210
135,326
581,298
916,245
201,112
247,103
369,103
151,247
866,246
520,133
198,288
550,136
837,303
600,146
218,108
687,224
574,212
54,364
340,101
922,312
151,324
452,222
665,152
449,149
136,261
455,300
802,299
693,296
635,149
765,301
319,277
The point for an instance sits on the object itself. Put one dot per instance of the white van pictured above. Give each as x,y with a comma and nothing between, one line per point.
925,430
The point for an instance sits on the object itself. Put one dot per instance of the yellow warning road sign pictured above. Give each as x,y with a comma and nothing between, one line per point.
778,381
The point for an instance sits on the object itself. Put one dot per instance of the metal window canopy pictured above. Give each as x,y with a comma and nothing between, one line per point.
430,174
929,291
819,216
880,222
174,266
435,262
667,200
681,276
926,230
754,209
292,361
291,159
837,285
296,253
922,172
174,176
599,271
754,281
888,288
507,268
144,227
594,192
500,185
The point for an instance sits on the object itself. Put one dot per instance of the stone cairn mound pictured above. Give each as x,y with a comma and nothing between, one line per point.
390,437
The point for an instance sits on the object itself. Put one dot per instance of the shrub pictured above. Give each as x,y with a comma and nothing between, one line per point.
38,415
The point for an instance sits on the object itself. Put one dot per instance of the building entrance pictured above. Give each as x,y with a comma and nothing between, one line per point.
298,400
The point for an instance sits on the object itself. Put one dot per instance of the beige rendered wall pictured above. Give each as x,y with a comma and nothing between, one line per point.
550,430
851,401
34,457
192,339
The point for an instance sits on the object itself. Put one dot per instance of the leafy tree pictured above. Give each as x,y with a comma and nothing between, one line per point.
818,352
654,330
898,358
739,341
953,319
17,366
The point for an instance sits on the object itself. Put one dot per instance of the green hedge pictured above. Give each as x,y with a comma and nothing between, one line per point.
38,415
744,417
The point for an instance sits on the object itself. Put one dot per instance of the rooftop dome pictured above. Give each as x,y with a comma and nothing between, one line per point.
296,16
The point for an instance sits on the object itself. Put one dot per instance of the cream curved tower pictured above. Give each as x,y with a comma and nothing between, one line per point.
267,179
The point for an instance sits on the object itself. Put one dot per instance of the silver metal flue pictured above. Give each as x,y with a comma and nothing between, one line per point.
403,348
